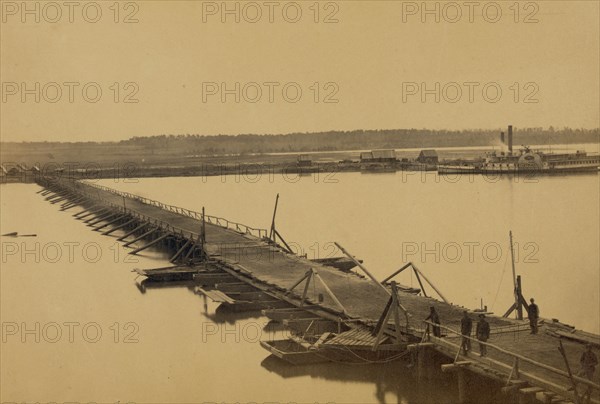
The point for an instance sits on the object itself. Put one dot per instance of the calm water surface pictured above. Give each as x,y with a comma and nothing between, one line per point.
165,346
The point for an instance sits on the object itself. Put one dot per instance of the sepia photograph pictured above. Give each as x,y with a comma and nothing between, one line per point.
304,201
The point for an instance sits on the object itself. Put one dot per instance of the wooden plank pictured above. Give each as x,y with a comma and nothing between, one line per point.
216,296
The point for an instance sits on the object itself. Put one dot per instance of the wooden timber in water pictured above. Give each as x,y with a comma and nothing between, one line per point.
247,261
172,273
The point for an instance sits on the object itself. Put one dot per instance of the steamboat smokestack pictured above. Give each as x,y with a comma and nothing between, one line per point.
502,137
510,140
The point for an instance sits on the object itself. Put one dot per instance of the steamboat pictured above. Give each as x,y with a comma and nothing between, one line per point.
525,160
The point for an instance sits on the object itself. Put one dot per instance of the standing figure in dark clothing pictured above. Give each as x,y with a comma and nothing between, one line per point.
435,319
588,363
466,325
534,315
483,333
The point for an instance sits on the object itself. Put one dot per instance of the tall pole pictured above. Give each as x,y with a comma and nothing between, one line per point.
203,235
272,234
514,275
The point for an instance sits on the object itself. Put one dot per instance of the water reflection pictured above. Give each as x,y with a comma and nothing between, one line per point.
173,345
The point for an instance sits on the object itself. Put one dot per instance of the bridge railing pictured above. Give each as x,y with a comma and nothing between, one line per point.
515,356
215,220
139,215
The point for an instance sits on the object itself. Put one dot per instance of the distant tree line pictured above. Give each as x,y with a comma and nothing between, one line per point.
333,140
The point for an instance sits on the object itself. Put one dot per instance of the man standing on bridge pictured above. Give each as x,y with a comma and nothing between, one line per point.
588,363
435,319
483,333
466,325
534,315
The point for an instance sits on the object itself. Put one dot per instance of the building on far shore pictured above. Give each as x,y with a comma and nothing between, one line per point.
304,160
378,156
428,156
378,160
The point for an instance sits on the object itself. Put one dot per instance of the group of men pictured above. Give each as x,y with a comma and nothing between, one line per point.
466,326
588,359
482,332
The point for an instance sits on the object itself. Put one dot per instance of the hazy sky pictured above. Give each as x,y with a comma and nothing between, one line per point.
374,61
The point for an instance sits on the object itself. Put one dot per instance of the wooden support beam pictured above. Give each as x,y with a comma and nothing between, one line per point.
272,234
424,360
396,308
396,273
191,250
306,285
127,223
225,284
386,317
562,351
140,227
287,247
462,385
527,395
365,270
119,217
93,212
380,323
306,275
451,367
109,216
203,228
510,310
86,210
180,251
548,396
329,291
513,386
61,196
73,201
55,196
430,283
150,244
420,283
105,213
519,299
55,201
149,232
417,346
69,206
392,308
514,276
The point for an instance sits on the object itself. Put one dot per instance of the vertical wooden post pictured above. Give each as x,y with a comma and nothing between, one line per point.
423,362
396,306
203,229
272,234
516,373
305,292
519,293
462,385
514,273
561,349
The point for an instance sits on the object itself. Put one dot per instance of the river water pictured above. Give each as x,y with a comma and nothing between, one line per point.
75,326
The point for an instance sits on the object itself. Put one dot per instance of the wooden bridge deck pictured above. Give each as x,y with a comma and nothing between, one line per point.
361,297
